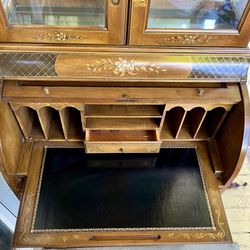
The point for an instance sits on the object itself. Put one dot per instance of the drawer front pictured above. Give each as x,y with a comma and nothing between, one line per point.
223,95
152,147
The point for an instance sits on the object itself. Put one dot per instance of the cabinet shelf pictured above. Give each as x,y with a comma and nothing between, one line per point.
129,111
57,15
122,123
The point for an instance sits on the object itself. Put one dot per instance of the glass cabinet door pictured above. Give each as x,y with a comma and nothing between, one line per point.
78,21
190,22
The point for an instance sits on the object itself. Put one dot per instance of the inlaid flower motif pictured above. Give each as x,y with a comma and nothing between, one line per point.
122,67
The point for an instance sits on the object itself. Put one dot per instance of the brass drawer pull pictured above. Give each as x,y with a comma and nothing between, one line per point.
46,90
200,91
125,237
115,2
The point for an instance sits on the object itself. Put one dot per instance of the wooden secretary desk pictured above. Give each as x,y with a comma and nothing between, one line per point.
122,121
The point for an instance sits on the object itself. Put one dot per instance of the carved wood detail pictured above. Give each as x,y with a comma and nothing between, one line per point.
58,36
188,39
140,3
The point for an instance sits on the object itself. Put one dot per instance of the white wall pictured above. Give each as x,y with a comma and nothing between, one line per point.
9,205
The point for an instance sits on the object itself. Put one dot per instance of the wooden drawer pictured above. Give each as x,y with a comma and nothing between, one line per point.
227,94
122,141
123,147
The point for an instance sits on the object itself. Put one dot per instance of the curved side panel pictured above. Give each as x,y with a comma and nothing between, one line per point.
232,139
10,179
10,145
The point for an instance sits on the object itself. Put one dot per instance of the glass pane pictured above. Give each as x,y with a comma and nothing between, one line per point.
196,14
56,12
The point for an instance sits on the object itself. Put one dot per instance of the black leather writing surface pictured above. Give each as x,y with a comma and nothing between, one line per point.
80,191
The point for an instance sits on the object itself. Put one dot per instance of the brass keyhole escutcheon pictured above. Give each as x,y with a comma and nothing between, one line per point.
121,150
124,95
115,2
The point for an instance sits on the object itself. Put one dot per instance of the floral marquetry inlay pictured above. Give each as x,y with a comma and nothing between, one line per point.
123,66
217,234
188,39
58,36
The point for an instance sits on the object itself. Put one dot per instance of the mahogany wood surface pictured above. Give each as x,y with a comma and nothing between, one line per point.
122,88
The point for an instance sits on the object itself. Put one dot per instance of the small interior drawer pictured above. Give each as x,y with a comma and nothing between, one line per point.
122,147
122,141
74,199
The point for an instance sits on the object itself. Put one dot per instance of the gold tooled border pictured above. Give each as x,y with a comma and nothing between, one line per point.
33,230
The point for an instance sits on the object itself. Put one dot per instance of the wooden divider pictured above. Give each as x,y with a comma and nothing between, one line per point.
25,117
174,119
45,119
197,123
192,123
212,122
29,123
71,123
48,123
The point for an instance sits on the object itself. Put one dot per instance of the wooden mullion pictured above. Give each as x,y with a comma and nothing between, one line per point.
83,120
25,119
45,119
163,118
180,125
64,118
199,125
220,123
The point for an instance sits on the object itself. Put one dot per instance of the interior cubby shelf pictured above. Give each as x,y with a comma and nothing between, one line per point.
111,122
127,111
47,123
